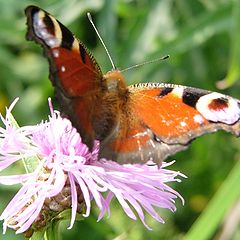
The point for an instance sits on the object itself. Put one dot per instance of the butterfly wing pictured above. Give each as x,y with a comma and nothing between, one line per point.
136,124
74,72
165,118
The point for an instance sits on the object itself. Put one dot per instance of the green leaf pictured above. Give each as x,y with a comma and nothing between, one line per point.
30,163
207,224
234,62
39,235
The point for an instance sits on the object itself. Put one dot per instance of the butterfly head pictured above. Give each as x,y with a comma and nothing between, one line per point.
115,81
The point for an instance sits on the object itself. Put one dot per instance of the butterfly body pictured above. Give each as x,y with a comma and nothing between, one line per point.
138,123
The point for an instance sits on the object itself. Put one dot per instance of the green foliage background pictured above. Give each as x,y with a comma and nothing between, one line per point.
202,38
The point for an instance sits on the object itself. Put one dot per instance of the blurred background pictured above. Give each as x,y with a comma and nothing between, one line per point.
202,38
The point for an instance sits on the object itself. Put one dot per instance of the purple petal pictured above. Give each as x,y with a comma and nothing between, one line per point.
74,199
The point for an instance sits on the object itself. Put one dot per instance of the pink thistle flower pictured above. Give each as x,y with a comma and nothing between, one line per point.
64,174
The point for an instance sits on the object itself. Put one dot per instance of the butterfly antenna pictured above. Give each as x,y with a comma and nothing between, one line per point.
109,56
142,64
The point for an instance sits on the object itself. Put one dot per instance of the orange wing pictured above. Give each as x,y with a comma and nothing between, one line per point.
163,119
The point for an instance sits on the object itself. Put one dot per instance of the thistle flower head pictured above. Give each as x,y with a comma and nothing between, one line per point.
62,173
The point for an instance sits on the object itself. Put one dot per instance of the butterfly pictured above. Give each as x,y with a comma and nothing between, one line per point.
134,124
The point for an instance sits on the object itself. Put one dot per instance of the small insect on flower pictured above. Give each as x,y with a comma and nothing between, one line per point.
62,173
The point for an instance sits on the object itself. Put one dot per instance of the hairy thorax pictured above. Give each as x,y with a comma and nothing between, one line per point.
110,105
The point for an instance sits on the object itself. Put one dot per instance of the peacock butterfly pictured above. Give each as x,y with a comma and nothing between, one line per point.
138,123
